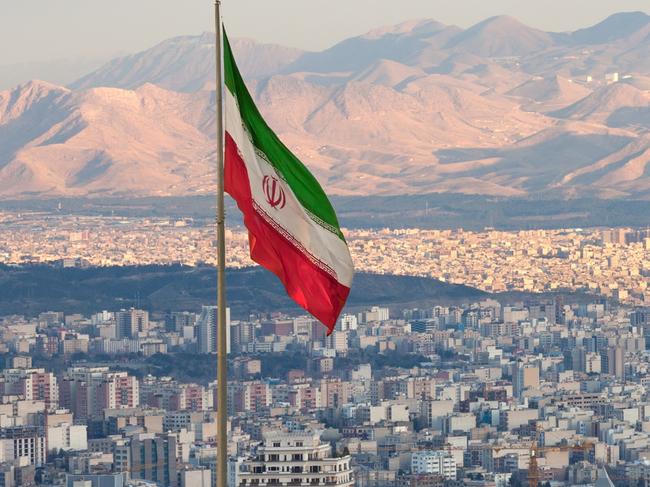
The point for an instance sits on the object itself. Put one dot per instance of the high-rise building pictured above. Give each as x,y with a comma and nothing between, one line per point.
19,442
525,376
190,397
334,392
178,320
32,384
434,462
337,340
560,316
348,322
511,314
579,359
614,235
295,459
153,458
592,363
248,396
87,391
640,317
207,330
243,333
131,322
66,436
375,313
612,361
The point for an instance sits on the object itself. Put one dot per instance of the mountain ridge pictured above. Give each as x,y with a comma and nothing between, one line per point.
33,289
498,109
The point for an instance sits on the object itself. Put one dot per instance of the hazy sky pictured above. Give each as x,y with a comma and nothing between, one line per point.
38,31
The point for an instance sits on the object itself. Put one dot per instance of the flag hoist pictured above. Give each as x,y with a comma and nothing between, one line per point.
292,227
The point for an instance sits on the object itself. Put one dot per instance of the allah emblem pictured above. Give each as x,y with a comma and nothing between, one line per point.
274,193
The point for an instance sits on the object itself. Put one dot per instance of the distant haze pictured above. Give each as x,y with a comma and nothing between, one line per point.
81,33
499,108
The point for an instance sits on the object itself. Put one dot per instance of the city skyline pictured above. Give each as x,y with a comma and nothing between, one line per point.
471,308
545,388
612,262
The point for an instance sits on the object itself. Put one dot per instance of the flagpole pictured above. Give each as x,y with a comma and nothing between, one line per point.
222,335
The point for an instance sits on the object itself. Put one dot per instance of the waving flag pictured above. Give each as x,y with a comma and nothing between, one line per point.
293,229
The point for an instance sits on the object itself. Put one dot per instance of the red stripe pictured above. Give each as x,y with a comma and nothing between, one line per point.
308,285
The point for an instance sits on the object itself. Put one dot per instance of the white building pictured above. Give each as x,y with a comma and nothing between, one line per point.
207,330
195,477
338,341
348,322
22,442
296,459
67,437
374,314
433,462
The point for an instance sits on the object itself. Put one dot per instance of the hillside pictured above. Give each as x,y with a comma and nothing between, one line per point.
501,36
30,290
550,92
102,140
186,63
606,102
616,27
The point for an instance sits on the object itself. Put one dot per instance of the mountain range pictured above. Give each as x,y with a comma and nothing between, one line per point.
498,109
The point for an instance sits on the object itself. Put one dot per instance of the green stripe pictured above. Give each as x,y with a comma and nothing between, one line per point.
303,184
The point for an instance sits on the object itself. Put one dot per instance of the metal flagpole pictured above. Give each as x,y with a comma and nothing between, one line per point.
222,335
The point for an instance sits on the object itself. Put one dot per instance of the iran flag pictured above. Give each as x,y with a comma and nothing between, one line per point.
293,230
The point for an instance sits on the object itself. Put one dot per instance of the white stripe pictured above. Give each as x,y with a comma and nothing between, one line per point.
292,218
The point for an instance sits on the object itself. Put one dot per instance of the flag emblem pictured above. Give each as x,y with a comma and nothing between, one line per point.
274,193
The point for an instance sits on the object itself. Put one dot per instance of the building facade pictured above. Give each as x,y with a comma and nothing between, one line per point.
433,462
296,459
